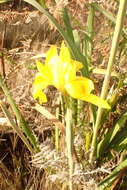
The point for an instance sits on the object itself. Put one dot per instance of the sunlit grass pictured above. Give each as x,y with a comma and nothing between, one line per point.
84,134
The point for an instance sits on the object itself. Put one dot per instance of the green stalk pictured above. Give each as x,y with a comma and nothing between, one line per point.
87,135
63,109
57,131
73,103
16,128
69,143
22,123
115,42
80,106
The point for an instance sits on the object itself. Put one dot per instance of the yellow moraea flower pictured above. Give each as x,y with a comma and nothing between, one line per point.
60,70
81,88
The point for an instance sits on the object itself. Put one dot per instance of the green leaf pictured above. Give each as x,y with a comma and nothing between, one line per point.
108,14
22,122
120,141
74,50
16,127
67,24
42,3
106,143
76,38
115,173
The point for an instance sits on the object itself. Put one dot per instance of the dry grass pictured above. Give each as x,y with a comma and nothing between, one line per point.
16,170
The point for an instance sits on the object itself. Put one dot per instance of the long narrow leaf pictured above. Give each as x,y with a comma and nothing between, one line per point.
16,128
77,38
22,123
105,143
115,173
67,23
108,14
42,3
119,143
74,50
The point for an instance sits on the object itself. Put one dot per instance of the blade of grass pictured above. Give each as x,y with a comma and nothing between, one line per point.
77,39
90,33
74,50
42,3
22,123
108,14
67,24
105,143
115,42
115,173
119,143
16,128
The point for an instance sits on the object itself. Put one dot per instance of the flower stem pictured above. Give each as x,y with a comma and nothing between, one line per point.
58,116
115,42
80,106
69,143
57,132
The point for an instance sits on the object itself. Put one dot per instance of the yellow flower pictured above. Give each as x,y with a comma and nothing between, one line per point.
60,72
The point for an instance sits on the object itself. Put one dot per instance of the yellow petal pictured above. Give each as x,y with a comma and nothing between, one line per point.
40,66
52,52
78,64
62,72
96,101
56,69
40,82
69,72
66,57
80,87
64,53
38,94
44,71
